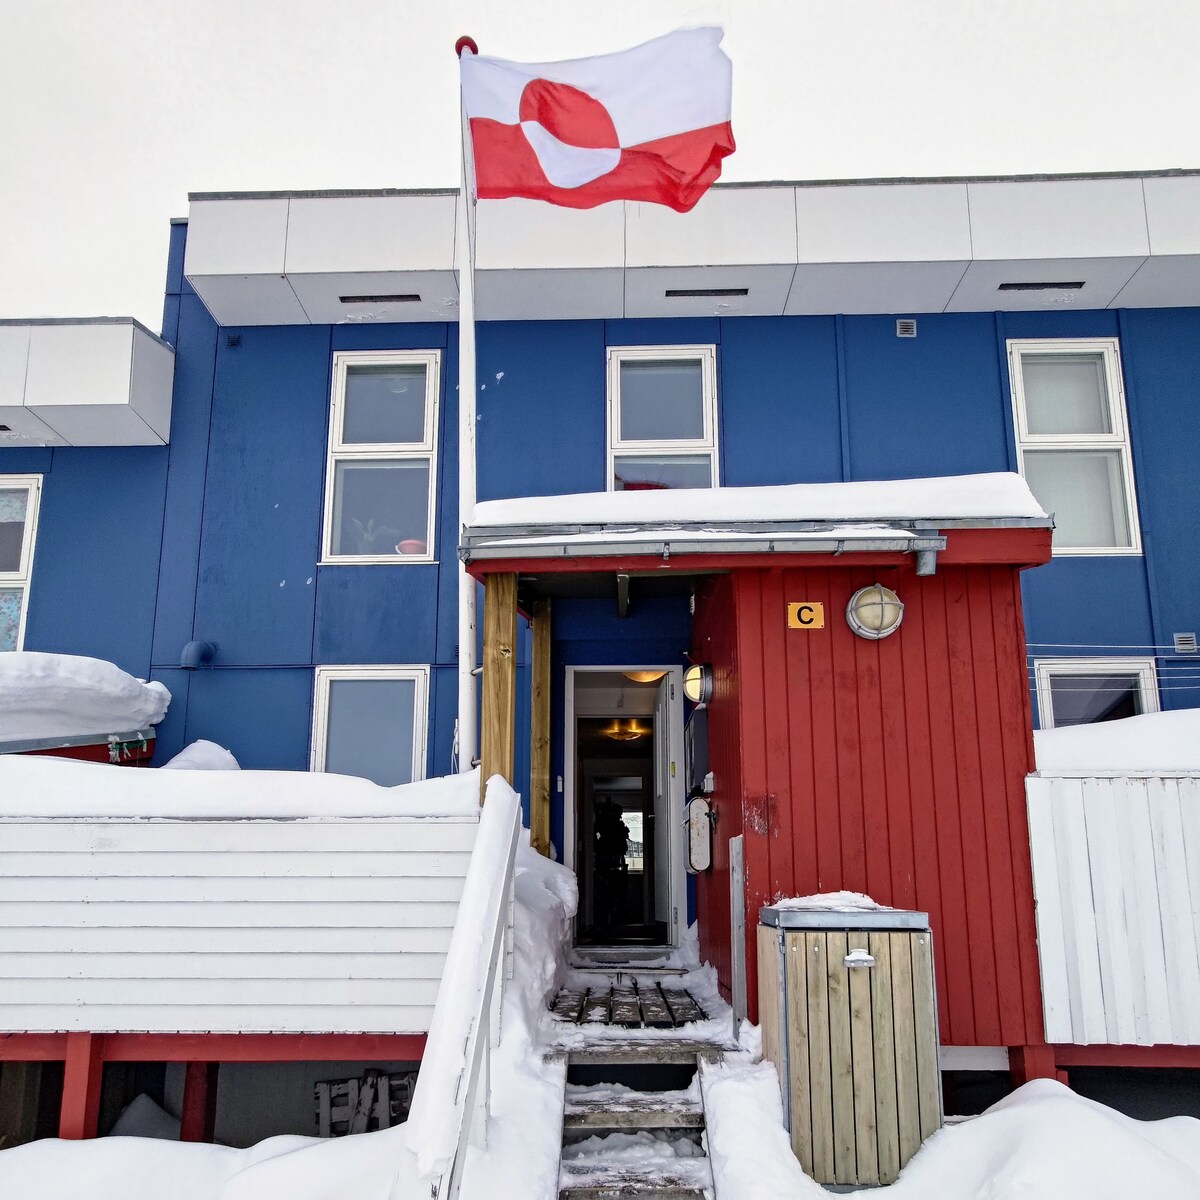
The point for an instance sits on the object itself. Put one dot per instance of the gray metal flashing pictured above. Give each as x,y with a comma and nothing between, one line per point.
25,745
324,194
898,919
28,321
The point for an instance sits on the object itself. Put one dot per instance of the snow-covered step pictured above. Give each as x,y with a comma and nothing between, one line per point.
634,1170
662,1050
612,1106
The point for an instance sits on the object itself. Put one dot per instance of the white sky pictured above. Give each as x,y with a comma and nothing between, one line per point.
111,111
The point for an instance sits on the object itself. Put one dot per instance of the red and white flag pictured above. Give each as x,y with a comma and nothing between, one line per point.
651,123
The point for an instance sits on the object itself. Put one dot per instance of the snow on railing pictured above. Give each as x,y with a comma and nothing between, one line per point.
451,1102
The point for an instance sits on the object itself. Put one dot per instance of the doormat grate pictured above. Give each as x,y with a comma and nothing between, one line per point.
632,1007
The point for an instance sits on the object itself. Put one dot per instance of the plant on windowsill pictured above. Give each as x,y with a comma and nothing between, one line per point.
375,539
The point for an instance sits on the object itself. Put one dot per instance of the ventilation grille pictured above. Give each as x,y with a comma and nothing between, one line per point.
1185,643
1070,285
906,327
685,293
399,298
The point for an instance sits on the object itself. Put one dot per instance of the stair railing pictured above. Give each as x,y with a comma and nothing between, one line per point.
452,1098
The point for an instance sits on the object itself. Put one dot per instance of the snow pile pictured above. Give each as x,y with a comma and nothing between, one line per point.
955,497
1165,741
203,756
33,786
832,902
65,695
141,1117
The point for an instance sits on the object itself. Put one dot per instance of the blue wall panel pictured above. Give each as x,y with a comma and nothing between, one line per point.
262,506
929,405
778,401
379,614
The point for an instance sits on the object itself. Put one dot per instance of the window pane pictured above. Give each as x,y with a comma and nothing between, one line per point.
381,508
1085,699
1085,491
662,400
1065,393
384,404
10,617
13,503
652,472
371,729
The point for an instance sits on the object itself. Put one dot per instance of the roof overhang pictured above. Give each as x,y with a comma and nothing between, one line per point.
772,249
99,381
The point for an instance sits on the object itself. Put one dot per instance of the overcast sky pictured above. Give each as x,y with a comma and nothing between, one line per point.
111,111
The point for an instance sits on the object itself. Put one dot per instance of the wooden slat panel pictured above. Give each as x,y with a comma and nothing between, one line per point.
253,965
862,1043
230,991
314,863
368,834
819,1067
217,1018
841,1060
1051,935
141,892
539,729
769,1016
929,1080
908,1101
215,913
887,1123
251,940
798,1085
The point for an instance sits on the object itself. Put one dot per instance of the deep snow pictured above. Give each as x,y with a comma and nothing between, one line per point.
1165,741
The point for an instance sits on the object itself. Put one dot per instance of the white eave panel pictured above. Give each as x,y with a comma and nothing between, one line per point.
153,382
544,295
348,235
25,428
14,361
727,227
320,296
1102,279
236,237
874,287
525,235
766,287
1169,281
1056,219
1173,214
249,299
883,223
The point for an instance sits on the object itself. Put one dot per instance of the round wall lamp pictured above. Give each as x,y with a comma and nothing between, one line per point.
698,683
874,612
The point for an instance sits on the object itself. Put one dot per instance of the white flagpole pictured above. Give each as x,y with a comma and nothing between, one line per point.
468,718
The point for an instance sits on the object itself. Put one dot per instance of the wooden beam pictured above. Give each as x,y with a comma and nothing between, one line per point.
539,730
198,1120
499,718
83,1069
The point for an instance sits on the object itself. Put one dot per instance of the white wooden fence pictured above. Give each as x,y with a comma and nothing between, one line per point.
308,925
1116,877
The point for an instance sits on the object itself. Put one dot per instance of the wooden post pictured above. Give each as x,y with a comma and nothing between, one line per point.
198,1120
499,722
539,730
83,1070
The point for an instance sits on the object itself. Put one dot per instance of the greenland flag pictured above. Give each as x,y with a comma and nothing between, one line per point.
651,123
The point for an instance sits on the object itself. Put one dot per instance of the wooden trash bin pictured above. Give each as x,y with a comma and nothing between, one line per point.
846,1001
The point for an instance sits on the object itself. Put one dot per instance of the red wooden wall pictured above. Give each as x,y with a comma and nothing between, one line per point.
894,768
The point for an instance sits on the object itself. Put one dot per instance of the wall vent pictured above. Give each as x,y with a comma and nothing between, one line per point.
1072,285
1185,643
906,327
685,293
401,298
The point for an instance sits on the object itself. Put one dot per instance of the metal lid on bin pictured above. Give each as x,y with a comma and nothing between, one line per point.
890,919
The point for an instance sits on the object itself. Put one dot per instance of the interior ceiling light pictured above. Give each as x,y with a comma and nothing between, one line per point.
685,293
644,676
874,612
625,731
1072,285
398,298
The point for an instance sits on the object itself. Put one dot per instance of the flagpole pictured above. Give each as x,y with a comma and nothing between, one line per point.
467,739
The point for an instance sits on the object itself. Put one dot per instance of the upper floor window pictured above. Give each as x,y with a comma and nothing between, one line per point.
379,486
1073,441
662,422
19,496
370,722
1082,691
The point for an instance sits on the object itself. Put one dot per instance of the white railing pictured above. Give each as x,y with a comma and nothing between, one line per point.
1116,877
452,1098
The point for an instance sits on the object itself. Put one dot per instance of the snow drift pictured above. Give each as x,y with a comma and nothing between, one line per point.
1159,742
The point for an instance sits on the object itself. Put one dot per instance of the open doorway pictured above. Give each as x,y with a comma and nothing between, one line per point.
624,805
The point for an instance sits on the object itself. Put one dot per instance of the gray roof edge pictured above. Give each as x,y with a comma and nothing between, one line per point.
10,322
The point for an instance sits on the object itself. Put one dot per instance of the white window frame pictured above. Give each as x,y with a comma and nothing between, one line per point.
1044,669
706,445
19,579
340,452
1117,440
323,677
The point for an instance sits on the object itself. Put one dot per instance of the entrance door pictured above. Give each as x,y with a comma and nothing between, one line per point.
624,804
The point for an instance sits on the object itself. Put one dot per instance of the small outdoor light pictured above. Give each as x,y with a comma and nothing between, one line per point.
874,612
698,683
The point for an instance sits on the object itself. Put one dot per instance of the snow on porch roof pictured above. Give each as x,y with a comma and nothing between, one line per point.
903,514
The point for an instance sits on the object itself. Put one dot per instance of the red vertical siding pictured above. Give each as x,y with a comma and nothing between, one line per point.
893,767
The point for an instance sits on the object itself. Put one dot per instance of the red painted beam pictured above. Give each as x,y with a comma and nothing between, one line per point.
1127,1056
83,1068
263,1047
33,1047
198,1119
